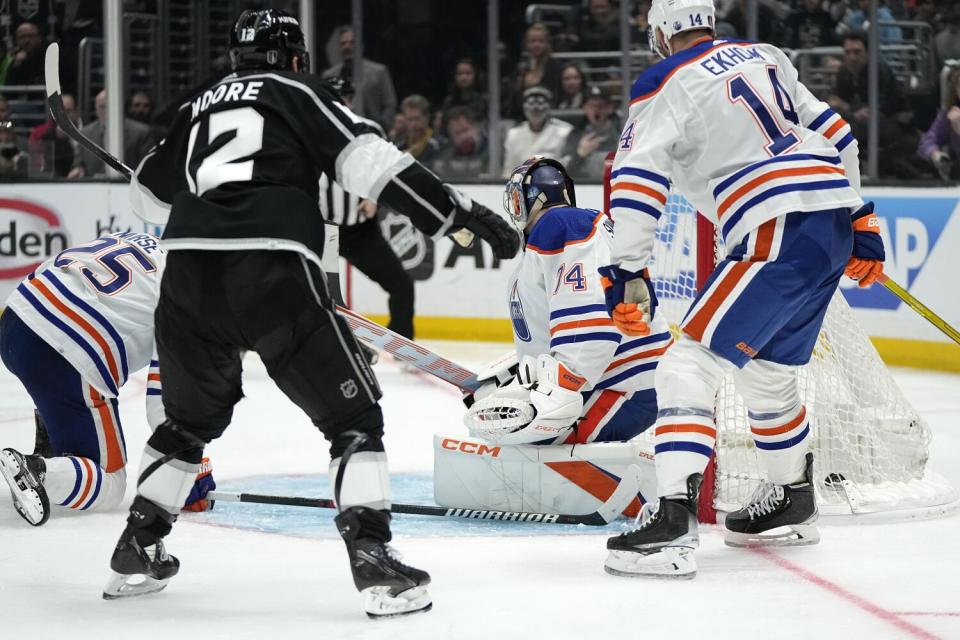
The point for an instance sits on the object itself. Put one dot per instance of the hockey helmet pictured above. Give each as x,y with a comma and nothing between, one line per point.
671,17
537,183
267,39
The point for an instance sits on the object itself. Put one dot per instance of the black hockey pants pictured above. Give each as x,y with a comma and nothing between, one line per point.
216,304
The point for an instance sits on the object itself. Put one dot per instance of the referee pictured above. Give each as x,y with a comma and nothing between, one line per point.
361,240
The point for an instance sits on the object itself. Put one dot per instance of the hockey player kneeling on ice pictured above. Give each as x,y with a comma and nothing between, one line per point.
729,125
73,331
580,380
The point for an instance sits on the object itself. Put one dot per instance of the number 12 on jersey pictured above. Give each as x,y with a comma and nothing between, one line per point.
781,138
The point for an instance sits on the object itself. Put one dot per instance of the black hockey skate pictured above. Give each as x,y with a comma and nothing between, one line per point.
662,546
390,587
777,515
140,563
24,474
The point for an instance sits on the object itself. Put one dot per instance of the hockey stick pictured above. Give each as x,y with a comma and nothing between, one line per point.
55,103
366,330
621,497
920,308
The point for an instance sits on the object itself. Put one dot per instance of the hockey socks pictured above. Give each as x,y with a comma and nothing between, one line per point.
81,484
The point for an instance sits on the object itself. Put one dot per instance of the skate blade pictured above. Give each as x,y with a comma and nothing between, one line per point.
27,500
380,604
794,535
671,563
120,586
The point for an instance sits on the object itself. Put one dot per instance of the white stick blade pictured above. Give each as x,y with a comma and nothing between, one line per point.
52,69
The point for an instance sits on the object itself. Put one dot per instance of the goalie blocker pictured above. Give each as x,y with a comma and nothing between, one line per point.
471,473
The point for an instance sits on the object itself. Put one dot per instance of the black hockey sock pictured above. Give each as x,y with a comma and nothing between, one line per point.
361,522
148,522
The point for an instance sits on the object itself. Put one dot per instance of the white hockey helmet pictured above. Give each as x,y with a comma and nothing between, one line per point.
671,17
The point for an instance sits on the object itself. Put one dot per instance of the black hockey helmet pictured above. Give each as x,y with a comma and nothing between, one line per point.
537,183
267,39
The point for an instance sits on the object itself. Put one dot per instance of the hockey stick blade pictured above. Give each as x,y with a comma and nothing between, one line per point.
407,350
595,519
55,104
921,309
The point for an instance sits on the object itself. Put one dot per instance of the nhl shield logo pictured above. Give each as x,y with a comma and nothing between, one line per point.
348,388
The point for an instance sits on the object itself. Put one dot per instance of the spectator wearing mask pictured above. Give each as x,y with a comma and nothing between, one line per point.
464,155
137,141
362,242
26,65
809,26
600,30
573,87
51,150
378,97
538,134
465,91
419,139
940,145
849,98
13,160
588,144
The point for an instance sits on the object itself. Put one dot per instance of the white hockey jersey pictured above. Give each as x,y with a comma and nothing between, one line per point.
94,304
557,304
735,132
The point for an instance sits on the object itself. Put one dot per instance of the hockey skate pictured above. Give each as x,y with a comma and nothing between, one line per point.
777,515
390,587
25,474
662,546
140,563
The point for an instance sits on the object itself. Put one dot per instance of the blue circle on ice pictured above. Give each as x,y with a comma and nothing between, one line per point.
408,488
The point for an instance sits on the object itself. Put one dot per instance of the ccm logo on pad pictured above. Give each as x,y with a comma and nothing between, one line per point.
464,446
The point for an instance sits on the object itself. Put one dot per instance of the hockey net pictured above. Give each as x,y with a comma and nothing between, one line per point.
870,446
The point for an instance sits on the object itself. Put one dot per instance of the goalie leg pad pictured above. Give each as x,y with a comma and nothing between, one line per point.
687,380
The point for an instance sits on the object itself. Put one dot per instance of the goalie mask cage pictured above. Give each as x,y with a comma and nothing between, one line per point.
870,446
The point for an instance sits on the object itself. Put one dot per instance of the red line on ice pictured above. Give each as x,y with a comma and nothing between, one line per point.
873,609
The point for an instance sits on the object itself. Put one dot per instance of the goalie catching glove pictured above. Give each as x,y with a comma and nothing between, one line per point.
542,404
630,298
866,263
480,220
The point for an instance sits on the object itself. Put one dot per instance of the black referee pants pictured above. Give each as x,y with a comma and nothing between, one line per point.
216,304
364,246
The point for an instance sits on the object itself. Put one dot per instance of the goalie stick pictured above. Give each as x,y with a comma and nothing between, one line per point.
619,500
366,330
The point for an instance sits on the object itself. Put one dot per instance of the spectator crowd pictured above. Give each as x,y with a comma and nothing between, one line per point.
552,101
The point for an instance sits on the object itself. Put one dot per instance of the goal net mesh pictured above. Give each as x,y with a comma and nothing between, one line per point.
870,446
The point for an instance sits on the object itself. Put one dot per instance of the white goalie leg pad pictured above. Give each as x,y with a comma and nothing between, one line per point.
169,485
471,473
366,480
778,420
81,484
685,432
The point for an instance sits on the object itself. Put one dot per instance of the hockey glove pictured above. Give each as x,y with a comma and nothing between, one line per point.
631,300
492,229
866,264
492,376
204,484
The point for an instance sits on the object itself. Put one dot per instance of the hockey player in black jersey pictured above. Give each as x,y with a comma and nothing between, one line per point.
237,176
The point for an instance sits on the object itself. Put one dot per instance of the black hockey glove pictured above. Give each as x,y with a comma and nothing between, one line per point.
492,229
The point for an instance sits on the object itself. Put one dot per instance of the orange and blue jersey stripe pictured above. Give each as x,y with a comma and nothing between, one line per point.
762,181
80,323
638,190
835,129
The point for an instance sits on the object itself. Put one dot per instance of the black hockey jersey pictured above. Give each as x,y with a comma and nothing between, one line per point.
240,168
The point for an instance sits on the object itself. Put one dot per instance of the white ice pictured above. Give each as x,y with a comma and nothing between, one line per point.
862,581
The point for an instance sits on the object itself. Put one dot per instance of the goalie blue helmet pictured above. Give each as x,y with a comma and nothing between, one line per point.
538,183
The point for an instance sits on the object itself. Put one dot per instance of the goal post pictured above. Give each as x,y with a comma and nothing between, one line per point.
870,446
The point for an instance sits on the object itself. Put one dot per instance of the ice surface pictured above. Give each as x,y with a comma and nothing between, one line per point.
252,571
